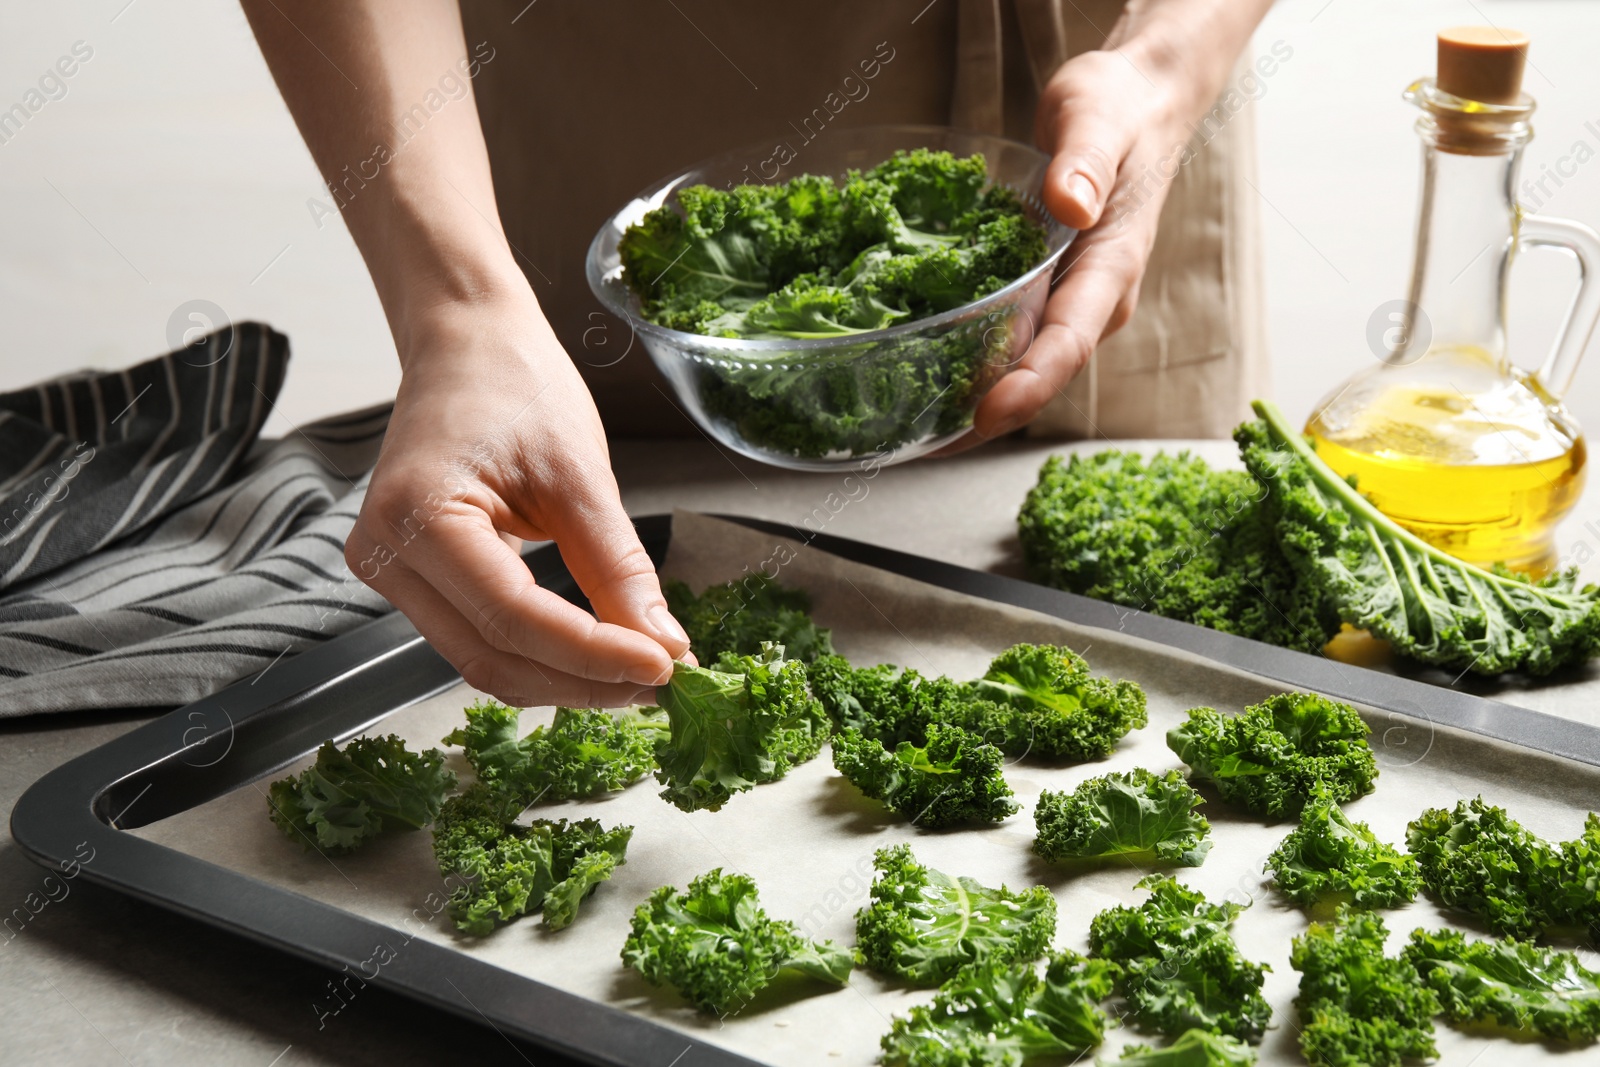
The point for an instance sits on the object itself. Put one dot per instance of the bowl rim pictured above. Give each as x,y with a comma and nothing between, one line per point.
681,339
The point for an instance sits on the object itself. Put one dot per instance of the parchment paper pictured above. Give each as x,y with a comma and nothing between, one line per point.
808,840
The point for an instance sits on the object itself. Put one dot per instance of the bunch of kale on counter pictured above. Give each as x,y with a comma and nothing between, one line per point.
1285,554
919,234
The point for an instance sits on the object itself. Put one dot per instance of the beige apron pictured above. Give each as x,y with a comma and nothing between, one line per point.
586,102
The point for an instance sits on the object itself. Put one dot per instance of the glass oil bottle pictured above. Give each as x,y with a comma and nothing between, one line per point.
1446,435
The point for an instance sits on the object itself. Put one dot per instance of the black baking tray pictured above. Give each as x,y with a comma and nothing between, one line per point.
343,687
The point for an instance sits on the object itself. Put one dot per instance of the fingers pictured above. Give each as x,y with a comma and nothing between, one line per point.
508,677
602,551
1092,301
478,576
1088,142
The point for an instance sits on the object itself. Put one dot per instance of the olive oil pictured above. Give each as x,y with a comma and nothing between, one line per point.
1445,434
1485,476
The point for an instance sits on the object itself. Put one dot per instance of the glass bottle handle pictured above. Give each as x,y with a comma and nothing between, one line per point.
1542,231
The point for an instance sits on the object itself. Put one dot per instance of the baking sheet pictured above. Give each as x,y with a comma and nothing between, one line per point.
808,840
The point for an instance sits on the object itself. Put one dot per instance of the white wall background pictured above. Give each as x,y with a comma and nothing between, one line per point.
170,171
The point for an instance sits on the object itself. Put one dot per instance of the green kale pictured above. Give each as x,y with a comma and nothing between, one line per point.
1034,699
918,235
1478,859
954,779
1516,985
1052,705
1171,536
490,740
502,869
588,870
858,698
1136,816
352,794
1180,967
716,946
1358,1007
995,1014
923,925
1382,578
1196,1048
891,705
1330,858
582,752
745,722
684,263
886,395
741,615
1270,758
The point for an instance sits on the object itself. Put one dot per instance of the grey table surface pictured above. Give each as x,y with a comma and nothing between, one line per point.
96,978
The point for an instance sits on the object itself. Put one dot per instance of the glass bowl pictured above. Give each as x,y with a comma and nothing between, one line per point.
879,397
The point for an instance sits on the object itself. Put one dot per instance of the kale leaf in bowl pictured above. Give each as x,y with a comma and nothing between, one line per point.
819,320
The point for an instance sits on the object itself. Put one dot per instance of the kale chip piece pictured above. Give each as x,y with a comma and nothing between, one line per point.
923,925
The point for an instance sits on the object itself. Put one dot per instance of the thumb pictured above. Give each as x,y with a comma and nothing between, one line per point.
1088,151
602,551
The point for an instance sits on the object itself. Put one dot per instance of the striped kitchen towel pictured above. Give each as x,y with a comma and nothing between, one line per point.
152,549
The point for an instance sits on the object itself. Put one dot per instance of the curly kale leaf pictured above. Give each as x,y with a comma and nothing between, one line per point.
1383,578
350,795
562,900
723,247
955,778
502,869
585,751
814,305
891,705
582,752
861,698
1054,707
1515,985
1196,1048
746,722
740,616
888,392
1171,536
995,1014
1034,699
1358,1007
1135,816
1329,858
1270,758
490,739
923,925
716,946
915,236
1181,968
1478,859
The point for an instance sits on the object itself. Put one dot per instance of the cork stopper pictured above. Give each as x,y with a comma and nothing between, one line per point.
1482,63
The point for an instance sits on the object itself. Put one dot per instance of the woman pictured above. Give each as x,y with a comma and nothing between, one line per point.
496,433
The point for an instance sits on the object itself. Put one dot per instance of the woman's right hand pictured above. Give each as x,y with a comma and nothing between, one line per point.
495,438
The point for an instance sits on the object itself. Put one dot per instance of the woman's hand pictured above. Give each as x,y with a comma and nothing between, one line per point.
495,435
1116,123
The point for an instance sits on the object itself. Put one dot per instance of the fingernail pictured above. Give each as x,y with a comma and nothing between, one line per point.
1082,190
667,628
